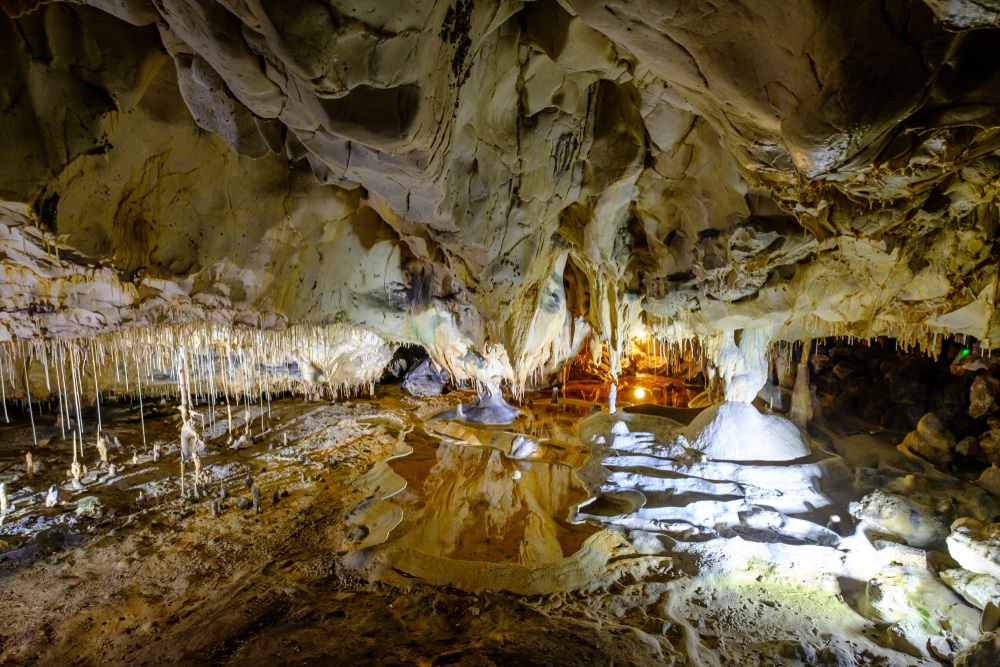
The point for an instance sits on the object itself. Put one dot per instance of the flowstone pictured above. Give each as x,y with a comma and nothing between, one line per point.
736,431
487,408
682,494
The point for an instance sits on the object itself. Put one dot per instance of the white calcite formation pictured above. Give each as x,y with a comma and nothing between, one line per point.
500,182
651,479
735,431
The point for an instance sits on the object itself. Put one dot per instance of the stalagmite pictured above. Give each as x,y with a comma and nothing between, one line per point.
612,398
31,412
142,415
29,464
3,393
76,469
102,448
52,498
801,411
4,500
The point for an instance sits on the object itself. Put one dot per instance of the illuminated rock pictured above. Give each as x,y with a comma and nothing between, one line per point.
978,589
736,431
90,507
915,523
976,546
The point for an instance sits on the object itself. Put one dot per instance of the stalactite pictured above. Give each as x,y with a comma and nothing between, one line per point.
31,413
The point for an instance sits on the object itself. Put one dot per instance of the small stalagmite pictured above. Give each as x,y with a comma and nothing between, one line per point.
29,462
4,500
102,448
52,498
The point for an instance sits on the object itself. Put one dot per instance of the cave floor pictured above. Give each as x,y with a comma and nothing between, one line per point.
162,581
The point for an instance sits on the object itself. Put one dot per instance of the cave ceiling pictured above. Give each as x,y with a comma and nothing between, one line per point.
504,180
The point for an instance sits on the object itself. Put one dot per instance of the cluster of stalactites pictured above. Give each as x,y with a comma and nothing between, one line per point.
220,361
745,357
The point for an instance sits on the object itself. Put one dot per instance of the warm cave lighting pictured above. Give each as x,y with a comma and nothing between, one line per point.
639,393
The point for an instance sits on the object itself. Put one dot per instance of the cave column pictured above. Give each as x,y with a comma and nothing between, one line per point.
801,411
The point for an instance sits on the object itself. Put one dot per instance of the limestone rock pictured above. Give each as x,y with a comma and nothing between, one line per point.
931,439
477,177
978,589
990,480
976,546
983,395
981,654
914,600
426,379
915,523
90,507
989,443
969,446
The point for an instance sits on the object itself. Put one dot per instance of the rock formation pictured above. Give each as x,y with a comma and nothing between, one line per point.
500,181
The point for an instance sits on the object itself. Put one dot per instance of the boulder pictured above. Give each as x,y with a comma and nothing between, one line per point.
977,589
915,523
983,396
931,440
981,654
976,546
990,480
915,603
89,506
426,379
989,443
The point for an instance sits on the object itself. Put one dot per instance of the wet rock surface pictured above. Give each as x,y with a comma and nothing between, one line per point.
322,534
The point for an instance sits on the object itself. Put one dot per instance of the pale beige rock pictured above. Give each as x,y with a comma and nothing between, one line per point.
978,589
976,546
915,523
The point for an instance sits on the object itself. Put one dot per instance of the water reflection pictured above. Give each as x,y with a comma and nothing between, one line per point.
468,500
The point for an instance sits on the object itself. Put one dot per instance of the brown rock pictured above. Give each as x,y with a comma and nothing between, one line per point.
931,440
990,480
981,654
982,396
989,443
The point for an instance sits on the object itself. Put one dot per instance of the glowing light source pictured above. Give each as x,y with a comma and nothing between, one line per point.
640,393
